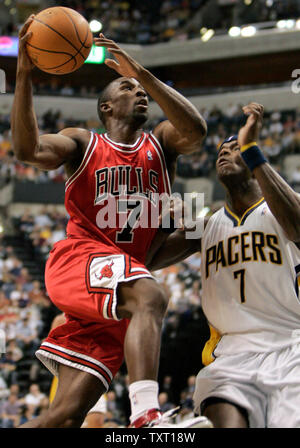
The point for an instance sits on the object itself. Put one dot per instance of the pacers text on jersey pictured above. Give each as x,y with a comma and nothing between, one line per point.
247,246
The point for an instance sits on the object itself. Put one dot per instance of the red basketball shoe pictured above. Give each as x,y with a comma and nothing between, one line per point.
154,418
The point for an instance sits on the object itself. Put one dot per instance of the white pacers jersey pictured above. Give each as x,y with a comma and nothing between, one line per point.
249,274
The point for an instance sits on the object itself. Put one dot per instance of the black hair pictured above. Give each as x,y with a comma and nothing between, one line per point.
103,98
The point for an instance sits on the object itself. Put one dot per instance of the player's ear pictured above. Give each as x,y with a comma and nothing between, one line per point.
105,107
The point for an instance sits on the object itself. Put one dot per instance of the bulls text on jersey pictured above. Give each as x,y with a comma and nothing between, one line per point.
125,180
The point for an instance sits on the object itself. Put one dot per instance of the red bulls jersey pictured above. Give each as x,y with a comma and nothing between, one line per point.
114,194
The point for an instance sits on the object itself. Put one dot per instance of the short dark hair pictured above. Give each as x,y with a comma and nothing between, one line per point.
103,98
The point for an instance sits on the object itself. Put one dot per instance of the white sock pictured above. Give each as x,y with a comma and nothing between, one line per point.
143,396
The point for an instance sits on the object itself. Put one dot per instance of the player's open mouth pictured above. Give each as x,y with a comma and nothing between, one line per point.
145,106
142,103
222,162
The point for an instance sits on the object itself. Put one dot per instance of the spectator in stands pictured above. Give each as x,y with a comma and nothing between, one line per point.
166,386
16,268
58,233
24,279
19,297
287,138
271,147
37,294
164,402
276,126
27,336
8,367
14,349
15,389
26,413
27,222
4,391
35,398
42,219
5,144
10,412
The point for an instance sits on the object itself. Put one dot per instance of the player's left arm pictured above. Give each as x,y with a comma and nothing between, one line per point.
282,200
171,248
185,128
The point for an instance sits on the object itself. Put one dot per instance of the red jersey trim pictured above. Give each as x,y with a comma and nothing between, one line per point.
157,146
122,147
87,155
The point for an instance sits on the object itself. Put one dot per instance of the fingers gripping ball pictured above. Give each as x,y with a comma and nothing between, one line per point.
61,40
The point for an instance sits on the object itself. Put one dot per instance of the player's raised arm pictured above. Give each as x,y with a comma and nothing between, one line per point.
48,151
185,128
282,200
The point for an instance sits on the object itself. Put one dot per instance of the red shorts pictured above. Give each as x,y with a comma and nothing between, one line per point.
81,277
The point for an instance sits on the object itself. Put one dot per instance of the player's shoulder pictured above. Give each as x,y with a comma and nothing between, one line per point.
79,134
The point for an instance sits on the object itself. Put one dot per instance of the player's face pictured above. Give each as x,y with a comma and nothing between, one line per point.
130,100
230,163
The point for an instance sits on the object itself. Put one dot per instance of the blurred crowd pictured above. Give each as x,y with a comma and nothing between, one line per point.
25,311
279,137
153,21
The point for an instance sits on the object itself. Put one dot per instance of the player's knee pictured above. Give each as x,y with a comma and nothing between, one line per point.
144,296
154,302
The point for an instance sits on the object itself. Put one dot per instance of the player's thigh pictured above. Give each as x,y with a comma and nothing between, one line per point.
233,379
284,389
224,414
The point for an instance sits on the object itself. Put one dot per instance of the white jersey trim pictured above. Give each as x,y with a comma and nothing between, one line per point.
79,355
87,155
114,144
157,146
46,358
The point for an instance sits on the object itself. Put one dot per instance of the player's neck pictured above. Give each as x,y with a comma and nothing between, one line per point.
241,199
124,133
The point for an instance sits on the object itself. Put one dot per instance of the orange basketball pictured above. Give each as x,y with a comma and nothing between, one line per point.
61,40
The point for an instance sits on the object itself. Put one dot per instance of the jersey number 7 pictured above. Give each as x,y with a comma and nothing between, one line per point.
240,274
135,208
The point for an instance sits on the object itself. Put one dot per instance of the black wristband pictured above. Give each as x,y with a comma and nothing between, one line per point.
253,157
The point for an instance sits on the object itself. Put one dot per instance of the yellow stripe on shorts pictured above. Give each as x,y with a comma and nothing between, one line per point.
53,389
207,352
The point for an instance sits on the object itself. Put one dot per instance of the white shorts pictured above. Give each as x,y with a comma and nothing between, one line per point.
266,385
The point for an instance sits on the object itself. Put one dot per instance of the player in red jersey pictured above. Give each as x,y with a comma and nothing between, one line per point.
97,275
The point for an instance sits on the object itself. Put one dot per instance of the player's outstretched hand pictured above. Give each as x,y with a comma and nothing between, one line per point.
250,132
173,209
124,64
24,62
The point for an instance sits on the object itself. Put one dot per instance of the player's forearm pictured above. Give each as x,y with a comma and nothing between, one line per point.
283,202
173,250
24,127
179,111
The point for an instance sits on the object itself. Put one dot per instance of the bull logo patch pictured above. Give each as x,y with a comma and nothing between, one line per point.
106,271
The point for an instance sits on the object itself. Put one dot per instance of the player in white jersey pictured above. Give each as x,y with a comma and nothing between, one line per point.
249,267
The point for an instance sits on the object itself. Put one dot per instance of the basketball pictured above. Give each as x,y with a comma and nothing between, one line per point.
61,40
